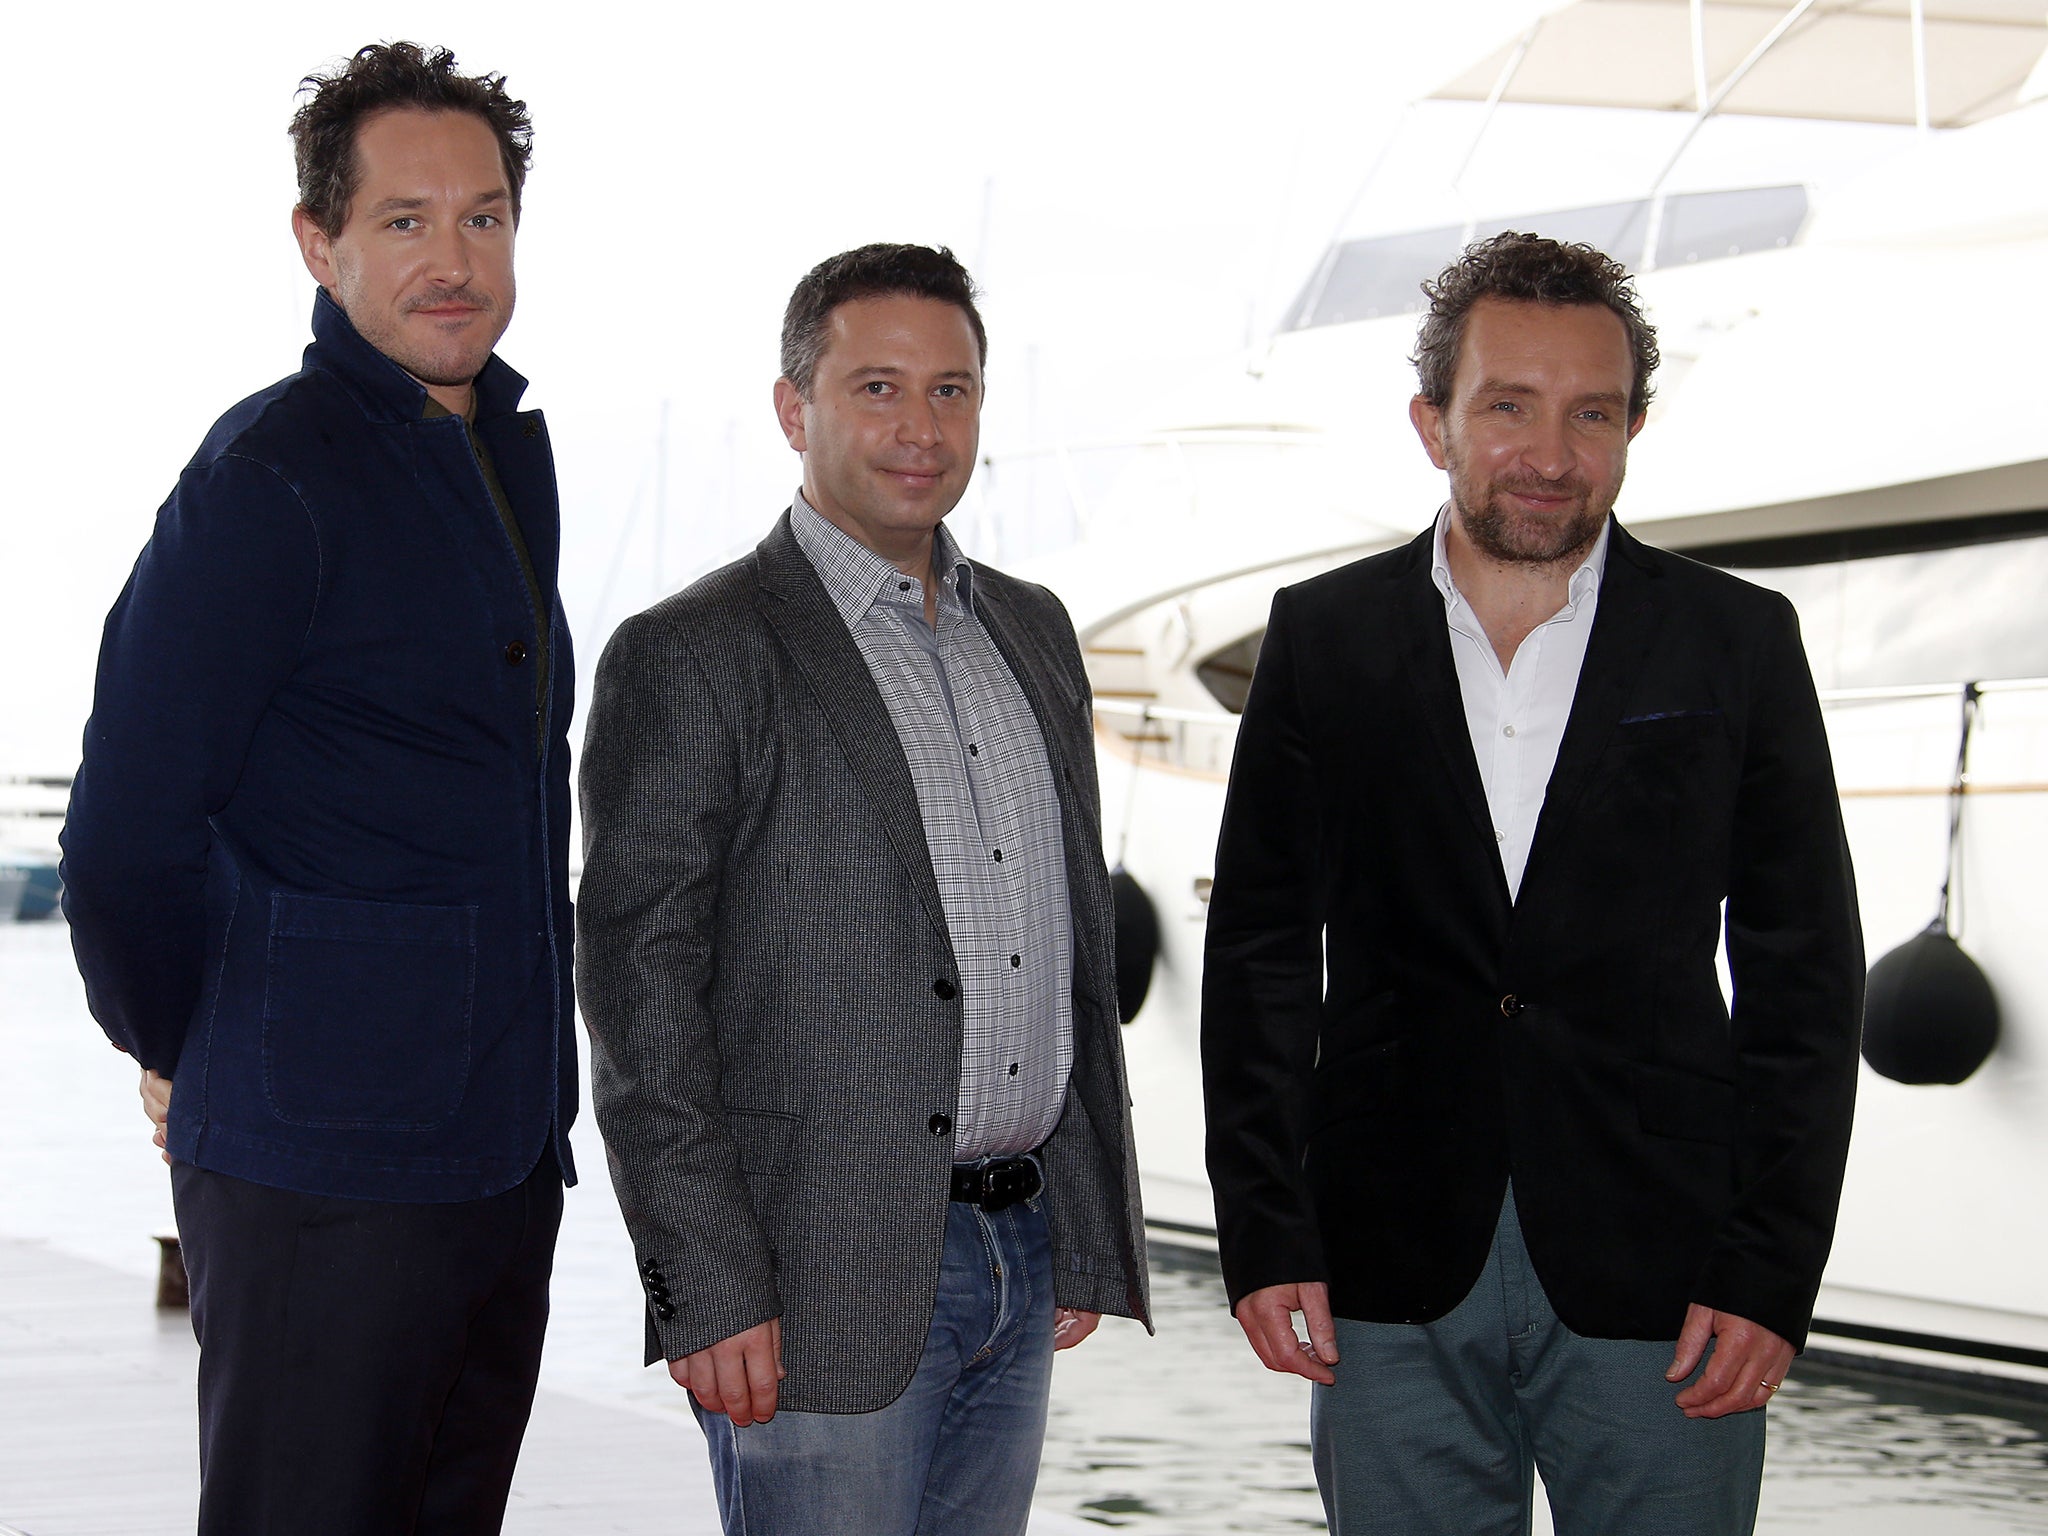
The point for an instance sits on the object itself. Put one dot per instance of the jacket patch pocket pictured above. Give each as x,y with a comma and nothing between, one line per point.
1685,1105
366,1012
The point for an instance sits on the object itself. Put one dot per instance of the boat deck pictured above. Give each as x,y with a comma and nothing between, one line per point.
97,1434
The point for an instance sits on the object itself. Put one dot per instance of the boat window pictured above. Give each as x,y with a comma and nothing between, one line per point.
1227,673
1707,226
1954,615
1383,274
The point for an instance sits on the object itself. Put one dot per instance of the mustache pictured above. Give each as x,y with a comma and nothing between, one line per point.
1536,485
475,298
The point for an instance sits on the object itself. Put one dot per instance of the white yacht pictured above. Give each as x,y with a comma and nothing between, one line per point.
1849,411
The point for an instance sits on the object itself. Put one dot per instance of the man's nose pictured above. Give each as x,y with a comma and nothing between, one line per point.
448,256
1547,451
919,424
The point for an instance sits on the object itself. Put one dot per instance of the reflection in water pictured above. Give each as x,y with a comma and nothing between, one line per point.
1186,1434
1852,1444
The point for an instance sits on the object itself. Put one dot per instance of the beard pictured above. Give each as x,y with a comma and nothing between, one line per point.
1511,535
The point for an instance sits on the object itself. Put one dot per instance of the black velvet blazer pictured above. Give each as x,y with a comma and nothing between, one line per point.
1387,1038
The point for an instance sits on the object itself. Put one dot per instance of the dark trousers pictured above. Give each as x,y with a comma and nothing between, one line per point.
366,1367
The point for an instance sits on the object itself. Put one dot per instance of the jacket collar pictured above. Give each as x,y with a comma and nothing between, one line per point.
385,391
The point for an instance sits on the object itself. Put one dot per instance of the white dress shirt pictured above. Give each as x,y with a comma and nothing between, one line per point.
1517,717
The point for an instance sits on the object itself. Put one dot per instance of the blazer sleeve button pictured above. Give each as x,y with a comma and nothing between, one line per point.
944,990
515,653
939,1124
1510,1006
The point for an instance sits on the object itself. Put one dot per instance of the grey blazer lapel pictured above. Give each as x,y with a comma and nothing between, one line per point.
796,606
1037,673
1063,726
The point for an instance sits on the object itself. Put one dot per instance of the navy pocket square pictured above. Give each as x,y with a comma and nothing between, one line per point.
1670,714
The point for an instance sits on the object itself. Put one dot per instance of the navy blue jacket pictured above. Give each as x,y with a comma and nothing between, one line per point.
316,860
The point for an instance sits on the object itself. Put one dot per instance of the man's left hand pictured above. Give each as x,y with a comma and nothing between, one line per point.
1748,1366
1070,1325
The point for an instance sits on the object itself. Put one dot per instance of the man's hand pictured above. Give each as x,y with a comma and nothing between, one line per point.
736,1376
156,1103
1267,1318
1070,1325
1748,1367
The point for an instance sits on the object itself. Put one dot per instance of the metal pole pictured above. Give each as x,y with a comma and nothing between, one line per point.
1699,55
1500,89
1713,105
1919,22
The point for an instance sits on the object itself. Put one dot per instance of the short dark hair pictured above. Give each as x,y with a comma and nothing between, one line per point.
380,78
1527,269
871,272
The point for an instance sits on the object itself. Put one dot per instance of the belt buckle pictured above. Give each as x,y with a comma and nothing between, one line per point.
1005,1183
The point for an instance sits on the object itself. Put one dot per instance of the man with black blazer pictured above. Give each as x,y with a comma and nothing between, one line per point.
1477,1109
847,960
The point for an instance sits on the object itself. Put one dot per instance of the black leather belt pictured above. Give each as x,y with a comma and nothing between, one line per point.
998,1183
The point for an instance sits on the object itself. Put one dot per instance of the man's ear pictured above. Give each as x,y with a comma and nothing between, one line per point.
1429,426
315,249
789,411
1636,425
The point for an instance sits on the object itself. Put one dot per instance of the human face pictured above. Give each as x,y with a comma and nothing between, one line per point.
423,267
1535,435
889,433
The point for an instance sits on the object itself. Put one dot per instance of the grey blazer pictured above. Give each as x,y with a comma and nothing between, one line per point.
772,999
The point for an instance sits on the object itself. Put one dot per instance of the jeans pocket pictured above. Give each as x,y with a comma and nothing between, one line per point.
367,1011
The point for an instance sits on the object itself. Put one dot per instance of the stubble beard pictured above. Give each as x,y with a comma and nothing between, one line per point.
459,362
1510,536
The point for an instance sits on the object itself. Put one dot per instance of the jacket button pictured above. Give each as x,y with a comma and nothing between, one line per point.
944,990
531,429
515,653
939,1124
1510,1006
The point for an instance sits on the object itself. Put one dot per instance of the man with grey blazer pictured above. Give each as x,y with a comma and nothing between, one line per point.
846,958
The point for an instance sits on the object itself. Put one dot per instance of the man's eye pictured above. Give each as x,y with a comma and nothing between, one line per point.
483,221
408,222
1505,405
876,388
948,391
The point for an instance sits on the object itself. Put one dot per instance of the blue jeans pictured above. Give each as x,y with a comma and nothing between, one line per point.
1436,1427
957,1453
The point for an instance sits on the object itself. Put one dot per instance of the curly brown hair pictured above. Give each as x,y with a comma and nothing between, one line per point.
1527,269
379,78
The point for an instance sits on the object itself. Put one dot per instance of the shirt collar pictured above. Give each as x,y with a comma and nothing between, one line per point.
1586,579
856,577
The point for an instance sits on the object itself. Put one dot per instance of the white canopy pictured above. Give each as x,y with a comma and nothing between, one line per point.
1849,60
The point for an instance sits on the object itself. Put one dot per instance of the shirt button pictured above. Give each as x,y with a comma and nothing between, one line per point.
999,855
1015,961
1013,1069
973,750
944,990
902,586
515,653
1510,1006
1507,730
1500,837
938,1125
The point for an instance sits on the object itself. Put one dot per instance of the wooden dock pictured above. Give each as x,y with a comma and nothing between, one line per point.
97,1433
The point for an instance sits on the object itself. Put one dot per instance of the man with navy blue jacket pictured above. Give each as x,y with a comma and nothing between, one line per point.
317,852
